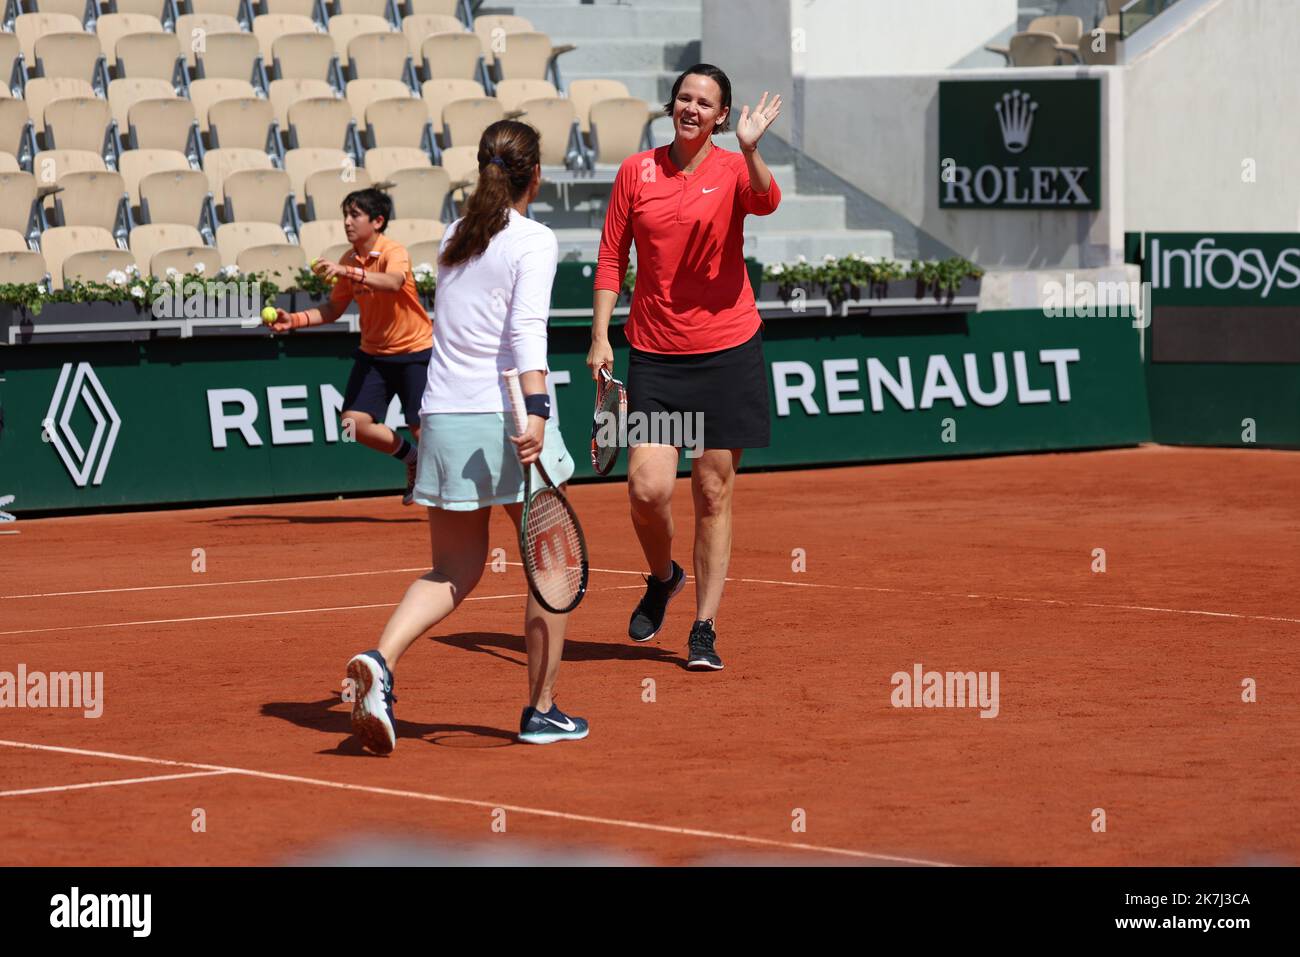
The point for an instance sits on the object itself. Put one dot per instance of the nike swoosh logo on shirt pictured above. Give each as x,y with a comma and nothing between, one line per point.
708,191
568,724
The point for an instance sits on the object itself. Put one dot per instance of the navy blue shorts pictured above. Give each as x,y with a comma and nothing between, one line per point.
376,379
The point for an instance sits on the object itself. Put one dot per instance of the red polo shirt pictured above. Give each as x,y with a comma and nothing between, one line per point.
692,292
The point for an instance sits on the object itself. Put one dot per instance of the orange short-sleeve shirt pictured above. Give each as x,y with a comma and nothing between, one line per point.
392,323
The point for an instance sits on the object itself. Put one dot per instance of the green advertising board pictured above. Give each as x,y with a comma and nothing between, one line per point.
201,420
1020,144
1224,339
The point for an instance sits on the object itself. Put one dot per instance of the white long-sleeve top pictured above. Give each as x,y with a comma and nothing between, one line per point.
490,315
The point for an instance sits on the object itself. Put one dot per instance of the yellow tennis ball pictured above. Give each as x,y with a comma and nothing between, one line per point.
268,315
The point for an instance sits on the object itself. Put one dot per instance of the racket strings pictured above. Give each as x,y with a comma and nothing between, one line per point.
554,549
610,408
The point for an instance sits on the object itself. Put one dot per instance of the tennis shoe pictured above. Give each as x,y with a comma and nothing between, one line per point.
547,727
649,615
701,655
372,704
409,497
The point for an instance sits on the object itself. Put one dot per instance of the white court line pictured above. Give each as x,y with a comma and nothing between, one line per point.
242,581
12,531
470,802
262,614
110,784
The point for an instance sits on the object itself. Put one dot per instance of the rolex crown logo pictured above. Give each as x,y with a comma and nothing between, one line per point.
1016,118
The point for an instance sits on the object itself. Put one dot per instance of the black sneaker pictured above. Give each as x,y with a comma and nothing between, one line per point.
649,615
700,654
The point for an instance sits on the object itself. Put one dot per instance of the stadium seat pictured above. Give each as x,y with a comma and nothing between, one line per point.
8,163
50,166
177,196
280,262
361,93
30,27
255,195
150,239
94,265
235,56
451,55
21,266
135,165
383,160
243,121
380,56
154,8
461,164
191,26
12,241
60,242
513,93
421,25
78,123
419,192
584,93
493,29
618,129
204,94
43,90
185,260
124,93
463,121
423,254
1108,55
320,235
227,8
528,56
301,163
163,124
373,8
411,231
16,212
399,122
92,198
321,121
16,130
445,7
12,67
1032,48
309,56
74,55
557,122
81,10
111,27
324,190
220,163
311,9
156,55
234,238
284,93
344,28
438,93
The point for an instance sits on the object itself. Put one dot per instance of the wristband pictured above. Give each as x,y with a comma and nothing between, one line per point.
294,318
538,404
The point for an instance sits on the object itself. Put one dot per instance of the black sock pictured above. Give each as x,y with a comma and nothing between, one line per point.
403,451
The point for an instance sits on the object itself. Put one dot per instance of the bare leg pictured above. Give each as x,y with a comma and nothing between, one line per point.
651,472
375,435
460,544
713,483
544,640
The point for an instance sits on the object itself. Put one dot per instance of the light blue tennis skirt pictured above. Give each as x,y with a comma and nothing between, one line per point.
468,462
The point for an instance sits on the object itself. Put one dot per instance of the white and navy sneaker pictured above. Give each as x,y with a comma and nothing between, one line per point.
408,497
701,655
372,706
547,727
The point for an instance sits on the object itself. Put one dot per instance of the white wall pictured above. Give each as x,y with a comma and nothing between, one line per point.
750,41
1222,89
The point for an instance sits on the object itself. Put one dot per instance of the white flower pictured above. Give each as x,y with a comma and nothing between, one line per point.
229,272
828,258
138,291
40,287
133,271
802,259
116,277
198,268
424,269
172,272
778,269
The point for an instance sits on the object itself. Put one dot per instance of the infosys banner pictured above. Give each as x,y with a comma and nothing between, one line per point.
1020,144
222,419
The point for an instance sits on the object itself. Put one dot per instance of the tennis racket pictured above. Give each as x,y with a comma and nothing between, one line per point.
611,405
550,539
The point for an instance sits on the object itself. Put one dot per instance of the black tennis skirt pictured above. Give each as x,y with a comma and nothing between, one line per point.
728,390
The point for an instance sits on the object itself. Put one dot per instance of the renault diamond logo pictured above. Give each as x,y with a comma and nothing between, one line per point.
85,387
1016,117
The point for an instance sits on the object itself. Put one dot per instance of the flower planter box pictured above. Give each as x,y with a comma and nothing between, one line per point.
895,297
19,323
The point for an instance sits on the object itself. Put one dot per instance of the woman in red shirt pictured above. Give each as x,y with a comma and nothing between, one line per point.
695,335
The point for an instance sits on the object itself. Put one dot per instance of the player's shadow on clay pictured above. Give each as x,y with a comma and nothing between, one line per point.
486,642
327,717
241,521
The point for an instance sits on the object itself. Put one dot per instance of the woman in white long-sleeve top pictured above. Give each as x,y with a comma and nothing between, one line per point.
495,270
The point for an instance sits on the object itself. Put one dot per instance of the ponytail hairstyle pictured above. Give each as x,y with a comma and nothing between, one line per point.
508,152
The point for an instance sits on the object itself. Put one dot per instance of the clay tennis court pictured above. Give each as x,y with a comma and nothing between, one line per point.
1119,690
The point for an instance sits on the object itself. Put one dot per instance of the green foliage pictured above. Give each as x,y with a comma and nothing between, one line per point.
862,277
127,286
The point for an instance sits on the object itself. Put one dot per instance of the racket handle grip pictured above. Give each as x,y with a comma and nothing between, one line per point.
516,395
